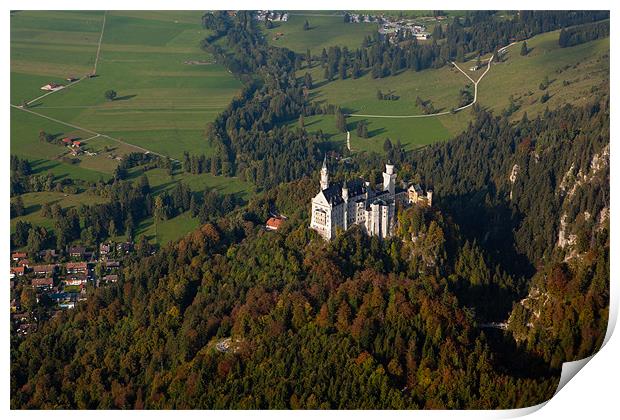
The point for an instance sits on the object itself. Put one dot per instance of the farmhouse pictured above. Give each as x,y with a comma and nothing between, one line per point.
52,87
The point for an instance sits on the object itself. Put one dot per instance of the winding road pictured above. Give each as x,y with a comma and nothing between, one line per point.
437,114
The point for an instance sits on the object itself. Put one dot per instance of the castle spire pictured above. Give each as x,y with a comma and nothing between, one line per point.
324,174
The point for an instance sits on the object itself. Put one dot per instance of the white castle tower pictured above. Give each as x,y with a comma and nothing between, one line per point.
389,179
324,175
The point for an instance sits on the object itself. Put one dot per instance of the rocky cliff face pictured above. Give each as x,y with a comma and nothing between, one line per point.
564,315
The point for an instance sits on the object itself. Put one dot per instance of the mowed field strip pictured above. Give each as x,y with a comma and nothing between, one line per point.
149,58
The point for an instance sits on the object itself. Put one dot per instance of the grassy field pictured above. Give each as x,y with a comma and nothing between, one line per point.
575,73
34,201
165,231
584,67
359,96
327,29
163,103
159,181
168,89
175,228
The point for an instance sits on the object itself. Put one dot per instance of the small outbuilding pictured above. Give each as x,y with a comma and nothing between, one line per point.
274,223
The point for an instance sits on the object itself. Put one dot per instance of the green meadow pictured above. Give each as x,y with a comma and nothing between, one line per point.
574,73
327,29
168,88
160,181
33,202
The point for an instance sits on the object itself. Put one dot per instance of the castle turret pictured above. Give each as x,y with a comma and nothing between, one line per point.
324,175
389,179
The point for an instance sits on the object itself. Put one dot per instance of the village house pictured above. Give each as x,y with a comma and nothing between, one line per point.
124,247
23,263
77,279
112,264
104,249
44,283
47,269
77,267
64,297
48,253
15,305
111,278
16,256
18,271
77,251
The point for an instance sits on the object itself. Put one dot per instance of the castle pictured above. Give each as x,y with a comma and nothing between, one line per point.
340,206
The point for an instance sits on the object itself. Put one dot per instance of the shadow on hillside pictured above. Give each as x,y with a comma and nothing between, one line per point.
515,360
162,187
309,124
32,209
492,226
376,132
124,98
41,165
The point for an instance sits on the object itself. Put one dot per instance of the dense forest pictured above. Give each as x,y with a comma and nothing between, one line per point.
248,134
584,33
518,234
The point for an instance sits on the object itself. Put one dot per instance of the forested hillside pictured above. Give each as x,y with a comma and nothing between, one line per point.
357,322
